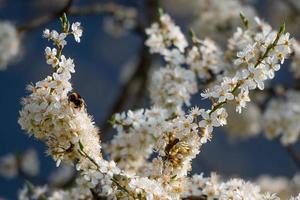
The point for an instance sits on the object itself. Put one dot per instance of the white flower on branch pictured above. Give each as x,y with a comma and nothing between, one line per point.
136,130
295,198
57,38
218,18
205,59
213,188
165,34
26,163
54,115
282,118
51,58
8,166
77,31
172,87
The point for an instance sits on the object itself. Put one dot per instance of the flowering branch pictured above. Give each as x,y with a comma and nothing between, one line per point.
56,115
258,62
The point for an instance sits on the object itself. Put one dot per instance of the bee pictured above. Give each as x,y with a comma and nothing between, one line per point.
171,144
76,100
70,148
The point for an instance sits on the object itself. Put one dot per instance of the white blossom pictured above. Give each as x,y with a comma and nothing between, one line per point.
218,18
281,118
77,31
205,59
164,35
213,188
51,58
9,166
30,164
152,152
9,44
172,87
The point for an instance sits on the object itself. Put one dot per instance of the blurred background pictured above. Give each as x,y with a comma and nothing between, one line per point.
111,51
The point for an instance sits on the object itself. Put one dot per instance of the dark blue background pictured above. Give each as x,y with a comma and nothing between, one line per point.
99,59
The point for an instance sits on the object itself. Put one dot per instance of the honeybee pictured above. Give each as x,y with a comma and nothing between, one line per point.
171,144
76,100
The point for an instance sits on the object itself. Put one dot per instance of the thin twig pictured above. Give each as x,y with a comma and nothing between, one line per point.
84,154
35,23
98,8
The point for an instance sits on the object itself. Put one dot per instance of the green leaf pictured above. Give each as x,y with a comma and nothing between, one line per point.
30,186
193,35
160,12
65,24
81,145
112,121
282,28
244,20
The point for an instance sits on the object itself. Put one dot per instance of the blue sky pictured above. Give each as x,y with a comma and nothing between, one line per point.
99,59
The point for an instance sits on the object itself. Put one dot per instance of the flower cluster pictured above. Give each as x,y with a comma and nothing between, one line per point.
61,121
172,87
259,59
295,198
9,43
259,34
284,187
47,113
205,59
136,130
26,163
212,188
153,147
282,118
164,35
54,115
218,18
178,144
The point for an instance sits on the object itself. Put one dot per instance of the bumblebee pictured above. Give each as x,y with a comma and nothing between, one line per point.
76,100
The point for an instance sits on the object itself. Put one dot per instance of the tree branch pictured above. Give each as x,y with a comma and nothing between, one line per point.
35,23
140,73
98,8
